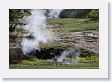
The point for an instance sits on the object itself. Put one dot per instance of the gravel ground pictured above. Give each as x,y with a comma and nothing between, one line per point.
84,39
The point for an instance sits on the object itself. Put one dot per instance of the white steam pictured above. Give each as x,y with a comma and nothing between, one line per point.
69,56
37,31
54,13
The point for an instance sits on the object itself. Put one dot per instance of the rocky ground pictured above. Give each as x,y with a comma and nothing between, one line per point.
84,39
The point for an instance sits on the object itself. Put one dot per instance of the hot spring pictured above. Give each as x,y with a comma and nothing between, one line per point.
36,26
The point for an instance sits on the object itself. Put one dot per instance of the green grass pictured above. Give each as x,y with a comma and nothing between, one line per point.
72,24
77,66
54,45
84,63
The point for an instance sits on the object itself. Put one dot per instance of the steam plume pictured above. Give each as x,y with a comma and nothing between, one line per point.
69,56
37,31
54,13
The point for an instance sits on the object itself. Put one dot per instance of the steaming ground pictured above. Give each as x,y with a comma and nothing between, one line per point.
71,32
37,31
47,41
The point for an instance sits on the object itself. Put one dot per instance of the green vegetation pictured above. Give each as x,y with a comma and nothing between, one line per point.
15,16
93,14
84,63
71,24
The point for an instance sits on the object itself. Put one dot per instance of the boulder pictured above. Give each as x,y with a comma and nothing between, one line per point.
16,55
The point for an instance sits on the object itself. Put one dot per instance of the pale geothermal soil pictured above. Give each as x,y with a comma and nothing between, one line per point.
83,39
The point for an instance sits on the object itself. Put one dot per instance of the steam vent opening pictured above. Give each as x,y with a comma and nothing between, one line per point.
53,38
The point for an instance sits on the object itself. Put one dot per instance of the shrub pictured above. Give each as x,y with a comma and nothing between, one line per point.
94,14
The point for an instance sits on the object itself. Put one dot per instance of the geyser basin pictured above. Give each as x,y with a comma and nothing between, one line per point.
49,42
